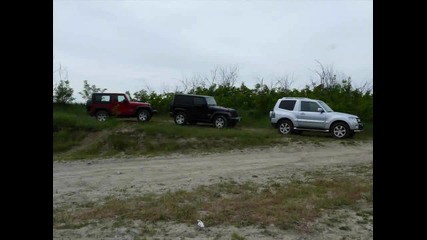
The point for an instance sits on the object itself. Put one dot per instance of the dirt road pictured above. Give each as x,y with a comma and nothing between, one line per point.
92,180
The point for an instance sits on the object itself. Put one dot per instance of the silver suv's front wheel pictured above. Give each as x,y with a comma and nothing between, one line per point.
340,130
285,127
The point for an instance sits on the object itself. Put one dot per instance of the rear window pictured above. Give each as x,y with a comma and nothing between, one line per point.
102,98
287,104
183,100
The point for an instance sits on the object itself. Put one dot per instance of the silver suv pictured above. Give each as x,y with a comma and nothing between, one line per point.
294,115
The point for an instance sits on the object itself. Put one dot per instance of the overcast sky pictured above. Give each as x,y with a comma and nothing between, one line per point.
131,45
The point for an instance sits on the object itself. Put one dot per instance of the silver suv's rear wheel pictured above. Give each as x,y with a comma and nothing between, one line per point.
285,127
340,130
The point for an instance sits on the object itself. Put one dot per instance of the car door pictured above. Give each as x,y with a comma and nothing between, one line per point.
311,115
103,101
200,109
121,107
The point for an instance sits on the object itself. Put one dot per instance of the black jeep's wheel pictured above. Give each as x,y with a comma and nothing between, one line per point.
102,115
180,118
143,115
340,130
220,122
285,127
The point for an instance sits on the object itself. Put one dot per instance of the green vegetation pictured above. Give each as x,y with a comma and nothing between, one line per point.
256,103
76,135
159,137
73,128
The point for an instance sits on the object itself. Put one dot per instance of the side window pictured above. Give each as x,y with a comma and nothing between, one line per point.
199,101
102,98
309,106
120,98
183,100
106,98
287,104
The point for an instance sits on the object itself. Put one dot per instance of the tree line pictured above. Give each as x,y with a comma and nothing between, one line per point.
337,91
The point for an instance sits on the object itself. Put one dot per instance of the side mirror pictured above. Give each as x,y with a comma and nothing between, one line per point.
126,101
320,110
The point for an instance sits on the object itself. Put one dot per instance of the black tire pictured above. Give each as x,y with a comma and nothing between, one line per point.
180,118
220,122
102,115
143,116
285,127
340,130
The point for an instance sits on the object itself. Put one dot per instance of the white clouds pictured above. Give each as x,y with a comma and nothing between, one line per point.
116,44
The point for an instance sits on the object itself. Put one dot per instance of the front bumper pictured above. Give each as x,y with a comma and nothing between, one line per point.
358,127
234,120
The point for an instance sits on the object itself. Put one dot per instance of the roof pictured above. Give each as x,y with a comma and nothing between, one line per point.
191,95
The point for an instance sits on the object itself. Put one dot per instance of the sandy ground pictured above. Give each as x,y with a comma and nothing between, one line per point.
88,181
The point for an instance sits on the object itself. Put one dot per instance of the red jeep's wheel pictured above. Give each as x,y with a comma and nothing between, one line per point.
101,115
143,115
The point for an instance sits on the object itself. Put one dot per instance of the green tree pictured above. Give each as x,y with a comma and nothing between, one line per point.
88,90
63,93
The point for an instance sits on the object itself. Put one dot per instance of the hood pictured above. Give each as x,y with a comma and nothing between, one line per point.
345,114
220,108
139,103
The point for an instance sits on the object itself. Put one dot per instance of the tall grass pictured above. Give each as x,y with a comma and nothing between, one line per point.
71,124
75,117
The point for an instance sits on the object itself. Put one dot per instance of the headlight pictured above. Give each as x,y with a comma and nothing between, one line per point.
354,120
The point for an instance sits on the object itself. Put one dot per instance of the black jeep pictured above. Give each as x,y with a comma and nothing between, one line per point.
192,109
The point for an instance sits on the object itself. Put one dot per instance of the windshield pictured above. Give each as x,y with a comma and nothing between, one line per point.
325,106
128,97
211,101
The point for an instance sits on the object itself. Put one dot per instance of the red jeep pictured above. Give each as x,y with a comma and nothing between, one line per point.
104,105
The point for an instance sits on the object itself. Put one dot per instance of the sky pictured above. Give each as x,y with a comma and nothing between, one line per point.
130,45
